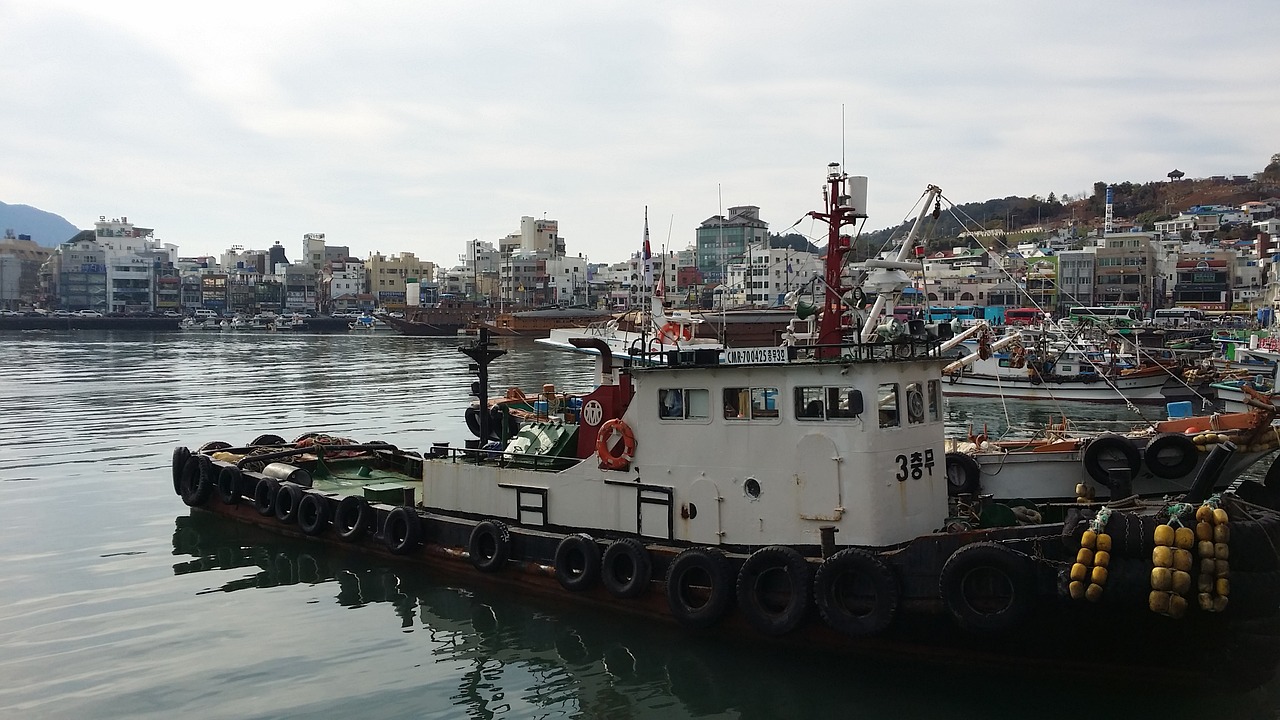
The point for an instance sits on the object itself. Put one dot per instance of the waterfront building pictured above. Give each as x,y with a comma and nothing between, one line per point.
722,239
20,261
75,275
568,280
342,286
766,275
1204,280
1124,266
387,276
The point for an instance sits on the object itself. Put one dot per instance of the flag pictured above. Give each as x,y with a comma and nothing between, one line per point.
648,256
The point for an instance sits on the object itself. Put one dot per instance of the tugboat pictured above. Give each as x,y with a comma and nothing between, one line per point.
796,493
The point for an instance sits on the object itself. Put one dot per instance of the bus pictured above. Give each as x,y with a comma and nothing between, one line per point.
1023,316
1178,316
1119,316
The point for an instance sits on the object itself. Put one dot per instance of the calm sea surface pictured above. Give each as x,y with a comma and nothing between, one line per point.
117,601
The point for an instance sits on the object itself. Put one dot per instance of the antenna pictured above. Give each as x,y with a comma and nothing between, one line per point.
842,131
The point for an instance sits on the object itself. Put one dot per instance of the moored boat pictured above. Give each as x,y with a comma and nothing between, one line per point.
793,492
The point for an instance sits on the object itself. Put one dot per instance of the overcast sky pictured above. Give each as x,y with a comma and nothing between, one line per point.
394,126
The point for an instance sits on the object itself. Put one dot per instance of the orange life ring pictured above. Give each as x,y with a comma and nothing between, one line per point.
674,332
608,459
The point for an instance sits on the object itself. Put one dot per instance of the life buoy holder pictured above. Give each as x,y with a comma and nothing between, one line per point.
674,332
762,605
626,568
988,587
313,514
700,587
489,546
856,593
577,562
1106,452
609,459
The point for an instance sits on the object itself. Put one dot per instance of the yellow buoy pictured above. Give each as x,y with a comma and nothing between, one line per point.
1222,586
1219,516
1102,558
1099,576
1181,582
1204,583
1158,601
1204,513
1161,578
1104,542
1089,537
1221,533
1093,593
1084,556
1208,566
1076,588
1182,560
1206,601
1204,549
1162,556
1221,552
1204,530
1184,538
1164,535
1221,568
1177,606
1079,572
1220,603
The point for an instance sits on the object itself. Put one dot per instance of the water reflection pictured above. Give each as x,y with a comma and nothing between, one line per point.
510,656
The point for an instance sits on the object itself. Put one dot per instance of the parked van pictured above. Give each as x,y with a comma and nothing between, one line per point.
205,314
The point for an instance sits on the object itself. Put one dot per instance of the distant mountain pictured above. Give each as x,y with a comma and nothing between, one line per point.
45,228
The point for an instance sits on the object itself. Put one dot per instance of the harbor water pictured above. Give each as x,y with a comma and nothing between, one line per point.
120,602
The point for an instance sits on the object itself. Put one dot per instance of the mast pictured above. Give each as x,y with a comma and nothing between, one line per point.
840,211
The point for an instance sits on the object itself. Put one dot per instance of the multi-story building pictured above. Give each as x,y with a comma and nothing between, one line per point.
387,276
1123,270
723,239
20,261
342,285
766,275
569,280
75,275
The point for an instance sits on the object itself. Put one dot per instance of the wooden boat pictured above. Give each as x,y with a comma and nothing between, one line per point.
540,322
794,493
446,317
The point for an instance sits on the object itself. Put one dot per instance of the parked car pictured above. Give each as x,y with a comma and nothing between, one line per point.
87,313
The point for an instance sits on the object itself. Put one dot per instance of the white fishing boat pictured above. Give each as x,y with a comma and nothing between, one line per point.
792,492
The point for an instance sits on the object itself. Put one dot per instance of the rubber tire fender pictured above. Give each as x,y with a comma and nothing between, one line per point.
751,589
1006,567
270,440
229,485
1185,456
180,456
313,513
212,446
489,545
626,569
577,562
718,575
472,417
402,530
1100,447
197,480
352,517
287,501
264,496
969,470
837,574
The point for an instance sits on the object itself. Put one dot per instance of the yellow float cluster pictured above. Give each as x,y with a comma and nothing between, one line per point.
1084,493
1171,576
1212,537
1089,573
1263,442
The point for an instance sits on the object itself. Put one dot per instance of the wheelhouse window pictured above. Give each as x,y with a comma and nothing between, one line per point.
915,403
935,401
826,403
757,403
887,404
684,403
